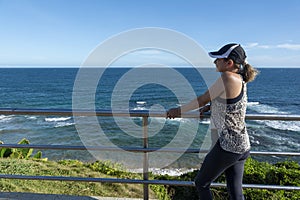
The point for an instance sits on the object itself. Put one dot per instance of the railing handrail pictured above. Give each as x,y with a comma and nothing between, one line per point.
132,113
145,149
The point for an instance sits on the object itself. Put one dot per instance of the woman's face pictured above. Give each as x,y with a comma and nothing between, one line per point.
221,64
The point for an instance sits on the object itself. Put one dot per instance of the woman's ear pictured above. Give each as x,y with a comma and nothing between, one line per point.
230,63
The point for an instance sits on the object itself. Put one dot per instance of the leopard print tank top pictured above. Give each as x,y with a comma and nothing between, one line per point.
228,117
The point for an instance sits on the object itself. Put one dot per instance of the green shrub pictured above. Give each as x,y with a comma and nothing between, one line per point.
285,173
20,153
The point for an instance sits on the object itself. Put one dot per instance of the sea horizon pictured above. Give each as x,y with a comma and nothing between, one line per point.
128,66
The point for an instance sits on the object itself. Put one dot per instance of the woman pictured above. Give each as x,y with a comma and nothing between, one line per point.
228,99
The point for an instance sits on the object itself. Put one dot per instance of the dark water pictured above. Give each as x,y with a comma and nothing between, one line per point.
275,91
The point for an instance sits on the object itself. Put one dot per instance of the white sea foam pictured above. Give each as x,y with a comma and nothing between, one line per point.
5,118
263,108
267,109
31,117
139,108
170,172
283,125
253,103
141,102
63,124
253,140
205,121
292,143
57,119
140,105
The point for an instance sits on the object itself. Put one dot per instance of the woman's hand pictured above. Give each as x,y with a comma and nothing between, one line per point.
203,110
173,113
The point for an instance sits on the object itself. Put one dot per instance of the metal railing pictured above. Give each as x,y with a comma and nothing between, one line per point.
145,149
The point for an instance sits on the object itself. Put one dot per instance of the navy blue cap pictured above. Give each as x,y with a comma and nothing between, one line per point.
232,51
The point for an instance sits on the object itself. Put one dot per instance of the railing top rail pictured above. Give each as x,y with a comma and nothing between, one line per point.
131,113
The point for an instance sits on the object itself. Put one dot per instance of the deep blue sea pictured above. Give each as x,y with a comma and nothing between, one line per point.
275,91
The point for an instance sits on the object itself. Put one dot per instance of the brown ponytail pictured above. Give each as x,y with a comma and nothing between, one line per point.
248,72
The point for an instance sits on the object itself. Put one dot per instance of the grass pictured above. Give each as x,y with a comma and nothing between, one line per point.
283,173
72,168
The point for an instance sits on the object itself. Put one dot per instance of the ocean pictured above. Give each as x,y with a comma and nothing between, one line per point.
275,91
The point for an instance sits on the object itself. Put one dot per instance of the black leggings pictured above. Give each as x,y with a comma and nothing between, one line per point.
215,163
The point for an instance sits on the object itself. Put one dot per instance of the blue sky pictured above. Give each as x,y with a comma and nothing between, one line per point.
64,32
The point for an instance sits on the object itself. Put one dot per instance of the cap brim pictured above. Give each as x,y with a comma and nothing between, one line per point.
216,54
224,51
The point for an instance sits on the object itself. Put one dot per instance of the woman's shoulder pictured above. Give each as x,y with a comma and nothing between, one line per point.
231,77
232,83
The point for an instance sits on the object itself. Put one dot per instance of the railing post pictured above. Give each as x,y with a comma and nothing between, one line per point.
146,160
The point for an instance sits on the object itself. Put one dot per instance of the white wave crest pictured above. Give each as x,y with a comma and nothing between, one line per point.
283,125
253,103
57,119
139,108
263,108
63,124
31,117
205,121
141,102
5,118
170,172
267,109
